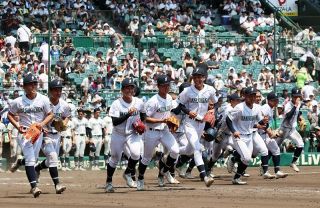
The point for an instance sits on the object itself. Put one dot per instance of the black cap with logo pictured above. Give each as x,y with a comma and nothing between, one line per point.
250,91
295,92
234,96
163,79
199,71
127,82
56,83
272,96
30,78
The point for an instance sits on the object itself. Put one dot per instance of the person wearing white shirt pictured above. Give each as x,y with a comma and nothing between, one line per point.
307,90
24,36
44,49
206,19
218,83
10,39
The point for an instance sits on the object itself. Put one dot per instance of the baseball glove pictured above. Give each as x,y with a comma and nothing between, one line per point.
139,126
173,123
33,133
209,117
59,125
275,133
92,147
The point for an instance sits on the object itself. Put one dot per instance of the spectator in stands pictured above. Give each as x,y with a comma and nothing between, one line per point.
212,62
310,66
162,24
24,37
43,79
44,50
7,81
10,39
60,67
307,90
68,48
134,26
86,83
149,30
248,25
301,77
153,57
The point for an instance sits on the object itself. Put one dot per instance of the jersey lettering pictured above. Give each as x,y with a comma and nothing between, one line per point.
199,100
30,110
249,118
164,109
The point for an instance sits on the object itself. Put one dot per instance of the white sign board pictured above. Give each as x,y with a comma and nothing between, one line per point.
287,7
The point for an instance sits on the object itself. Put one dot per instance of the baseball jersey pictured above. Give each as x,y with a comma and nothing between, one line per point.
96,125
159,108
108,124
197,101
119,108
31,111
244,118
14,131
292,123
3,129
266,110
68,131
224,112
79,125
60,111
181,116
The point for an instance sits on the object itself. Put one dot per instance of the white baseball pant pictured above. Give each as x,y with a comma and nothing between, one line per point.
66,145
293,135
244,146
106,142
182,141
218,147
80,140
130,144
30,151
15,150
194,130
271,144
154,137
259,146
50,148
97,140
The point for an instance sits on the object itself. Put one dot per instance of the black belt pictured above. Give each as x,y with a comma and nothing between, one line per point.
80,134
53,133
246,134
67,137
151,129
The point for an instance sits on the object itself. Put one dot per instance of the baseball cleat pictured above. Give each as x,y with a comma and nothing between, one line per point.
15,166
63,169
134,184
294,167
140,185
82,169
169,177
128,179
189,175
208,181
267,175
238,181
94,168
161,182
60,189
247,175
76,168
281,174
230,164
36,192
109,188
176,181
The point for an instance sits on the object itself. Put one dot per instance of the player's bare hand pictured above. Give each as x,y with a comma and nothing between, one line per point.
236,134
192,114
132,111
259,126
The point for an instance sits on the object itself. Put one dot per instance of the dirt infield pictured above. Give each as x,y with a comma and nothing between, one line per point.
85,189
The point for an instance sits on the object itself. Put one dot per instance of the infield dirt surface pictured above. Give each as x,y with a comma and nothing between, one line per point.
85,189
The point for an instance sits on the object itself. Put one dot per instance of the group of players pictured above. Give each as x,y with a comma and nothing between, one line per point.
241,128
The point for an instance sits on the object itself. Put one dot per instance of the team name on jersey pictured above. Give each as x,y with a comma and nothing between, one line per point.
164,109
125,113
249,118
58,115
199,100
30,110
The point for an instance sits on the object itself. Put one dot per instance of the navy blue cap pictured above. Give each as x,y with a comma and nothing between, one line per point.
199,71
163,79
272,96
30,78
250,91
296,92
56,83
96,110
127,82
234,96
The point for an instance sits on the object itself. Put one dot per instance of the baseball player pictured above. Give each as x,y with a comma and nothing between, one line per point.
259,145
158,110
2,131
15,150
221,144
289,124
79,131
51,144
267,110
193,101
107,138
124,112
67,142
96,132
32,107
242,120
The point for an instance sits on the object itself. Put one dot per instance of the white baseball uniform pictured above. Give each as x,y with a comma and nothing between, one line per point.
243,119
123,137
29,112
66,137
196,101
2,130
289,127
79,128
159,108
107,138
96,125
51,144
